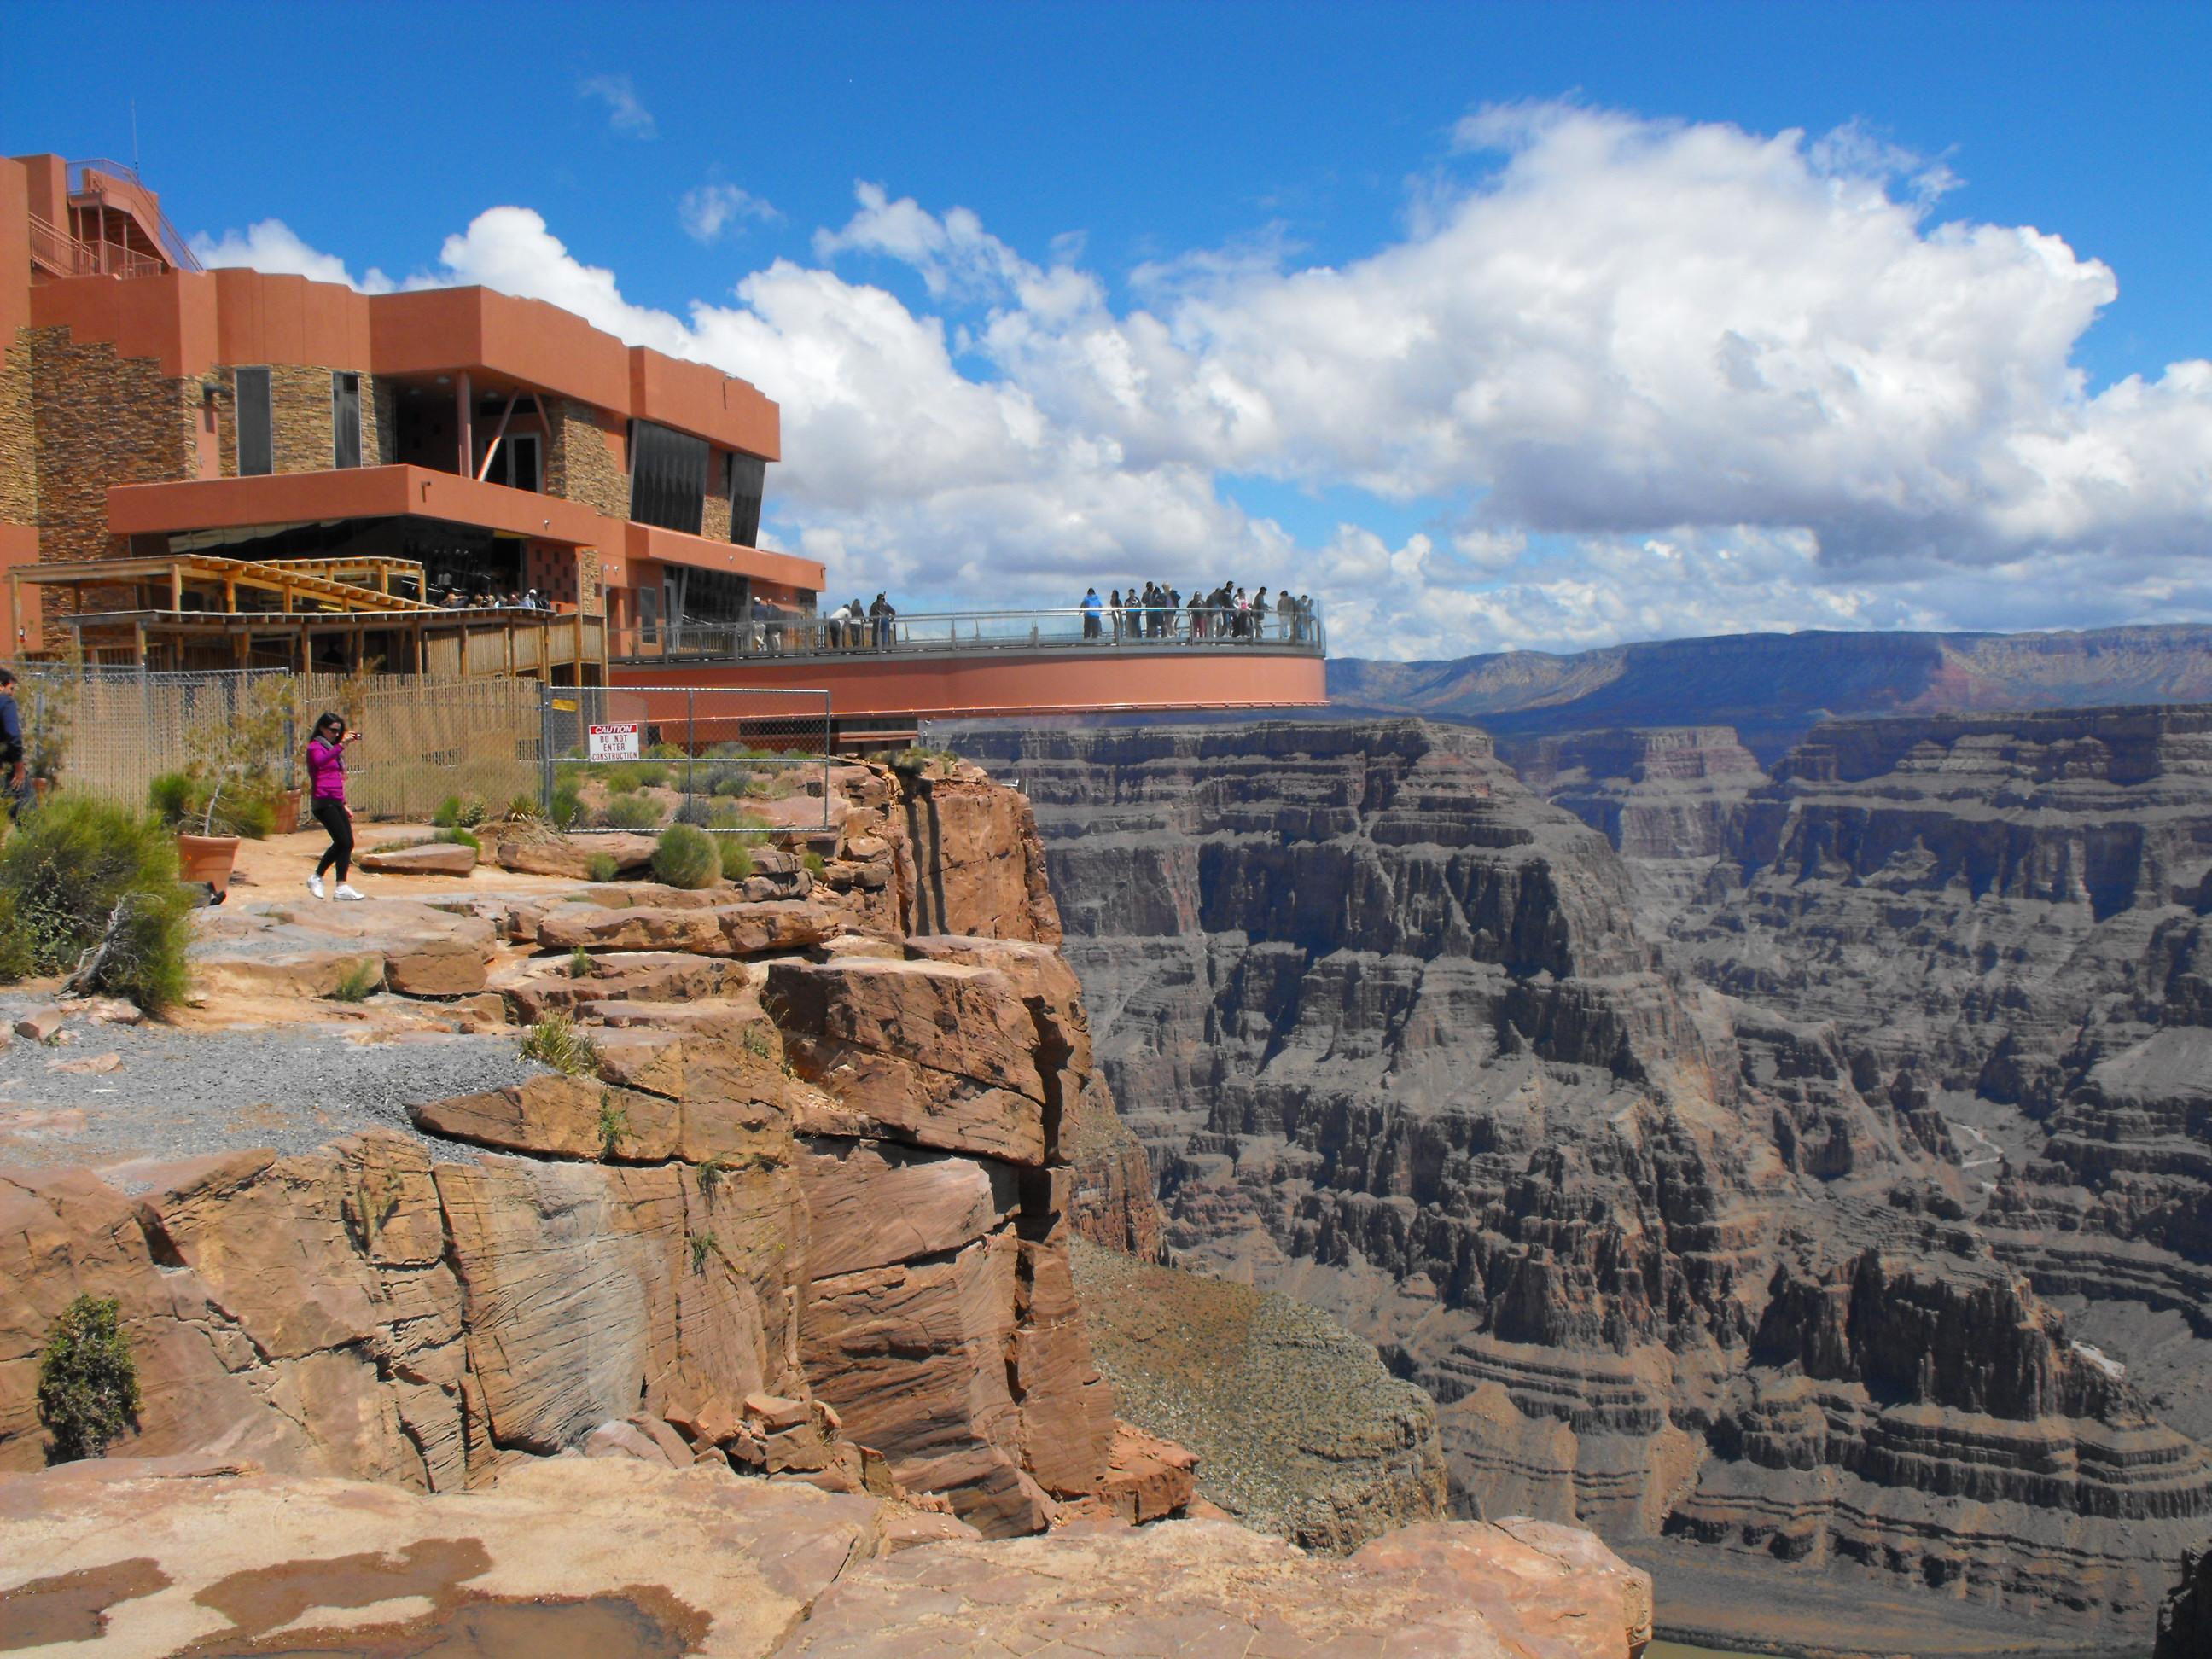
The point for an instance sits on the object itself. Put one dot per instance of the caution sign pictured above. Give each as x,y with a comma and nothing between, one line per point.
615,743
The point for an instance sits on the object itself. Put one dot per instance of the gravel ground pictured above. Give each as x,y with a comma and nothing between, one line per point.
179,1094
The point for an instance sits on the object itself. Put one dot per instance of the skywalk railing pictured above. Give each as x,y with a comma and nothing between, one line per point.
965,633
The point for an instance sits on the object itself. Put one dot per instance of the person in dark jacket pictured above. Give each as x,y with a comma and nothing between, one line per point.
15,773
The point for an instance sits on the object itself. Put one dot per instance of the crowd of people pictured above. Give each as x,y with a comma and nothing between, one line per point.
1156,611
456,599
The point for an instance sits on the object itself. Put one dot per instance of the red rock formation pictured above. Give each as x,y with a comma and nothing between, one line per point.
811,1209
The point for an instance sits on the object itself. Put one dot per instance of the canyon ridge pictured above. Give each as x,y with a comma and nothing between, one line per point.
1798,1177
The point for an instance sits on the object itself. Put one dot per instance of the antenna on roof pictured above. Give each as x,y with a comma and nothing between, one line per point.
134,137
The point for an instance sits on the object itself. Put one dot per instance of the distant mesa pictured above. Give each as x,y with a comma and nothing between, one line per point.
1774,687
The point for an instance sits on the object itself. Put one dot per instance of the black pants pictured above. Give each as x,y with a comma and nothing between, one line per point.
332,815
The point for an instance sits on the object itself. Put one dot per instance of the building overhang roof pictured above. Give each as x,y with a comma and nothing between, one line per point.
387,492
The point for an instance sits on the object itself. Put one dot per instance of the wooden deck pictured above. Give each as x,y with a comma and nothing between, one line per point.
185,611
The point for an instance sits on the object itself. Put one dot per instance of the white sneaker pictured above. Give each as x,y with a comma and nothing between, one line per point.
345,891
315,885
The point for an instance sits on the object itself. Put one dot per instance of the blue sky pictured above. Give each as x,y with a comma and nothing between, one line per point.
1182,215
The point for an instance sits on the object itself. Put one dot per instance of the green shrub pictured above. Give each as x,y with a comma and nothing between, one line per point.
694,809
579,963
686,858
568,806
459,838
727,783
459,812
665,751
556,1041
631,812
71,867
253,816
651,775
736,859
87,1381
614,1125
524,806
601,867
812,862
175,797
358,982
728,815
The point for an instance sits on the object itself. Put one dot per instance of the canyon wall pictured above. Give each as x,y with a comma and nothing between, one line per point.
1690,1265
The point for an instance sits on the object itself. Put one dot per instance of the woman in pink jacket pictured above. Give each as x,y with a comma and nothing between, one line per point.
326,796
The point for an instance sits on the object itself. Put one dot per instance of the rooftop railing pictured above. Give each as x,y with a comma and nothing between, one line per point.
968,633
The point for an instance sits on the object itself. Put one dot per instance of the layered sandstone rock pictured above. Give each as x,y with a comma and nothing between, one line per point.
1696,1265
625,1557
804,1212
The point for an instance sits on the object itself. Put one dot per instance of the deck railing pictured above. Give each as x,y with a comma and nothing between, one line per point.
966,633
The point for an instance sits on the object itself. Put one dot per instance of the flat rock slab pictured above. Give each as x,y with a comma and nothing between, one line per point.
113,1552
1191,1588
305,948
437,858
723,930
571,856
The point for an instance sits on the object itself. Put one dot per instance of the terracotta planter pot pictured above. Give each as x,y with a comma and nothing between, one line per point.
207,859
287,813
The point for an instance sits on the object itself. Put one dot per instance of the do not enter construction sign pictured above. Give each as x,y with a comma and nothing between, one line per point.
615,743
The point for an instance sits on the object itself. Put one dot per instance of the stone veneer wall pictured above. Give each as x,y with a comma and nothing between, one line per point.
714,524
101,419
19,438
300,419
579,465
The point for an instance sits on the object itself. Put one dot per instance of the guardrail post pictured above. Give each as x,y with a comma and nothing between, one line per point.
545,748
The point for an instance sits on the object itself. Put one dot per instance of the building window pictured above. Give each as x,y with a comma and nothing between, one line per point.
514,463
256,453
748,478
667,477
345,420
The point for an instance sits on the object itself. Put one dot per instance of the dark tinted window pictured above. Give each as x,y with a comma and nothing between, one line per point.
668,477
254,453
748,478
345,420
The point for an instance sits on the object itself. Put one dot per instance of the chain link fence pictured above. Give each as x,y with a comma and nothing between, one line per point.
730,760
110,732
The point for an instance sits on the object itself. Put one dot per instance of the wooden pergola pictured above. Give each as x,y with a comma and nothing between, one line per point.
200,610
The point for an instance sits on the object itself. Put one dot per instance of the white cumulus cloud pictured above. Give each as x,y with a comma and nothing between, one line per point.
271,245
1639,377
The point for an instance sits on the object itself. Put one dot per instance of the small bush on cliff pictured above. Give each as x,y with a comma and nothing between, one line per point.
602,868
631,812
813,863
459,838
567,807
87,1381
74,866
736,859
358,982
614,1126
556,1041
686,858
